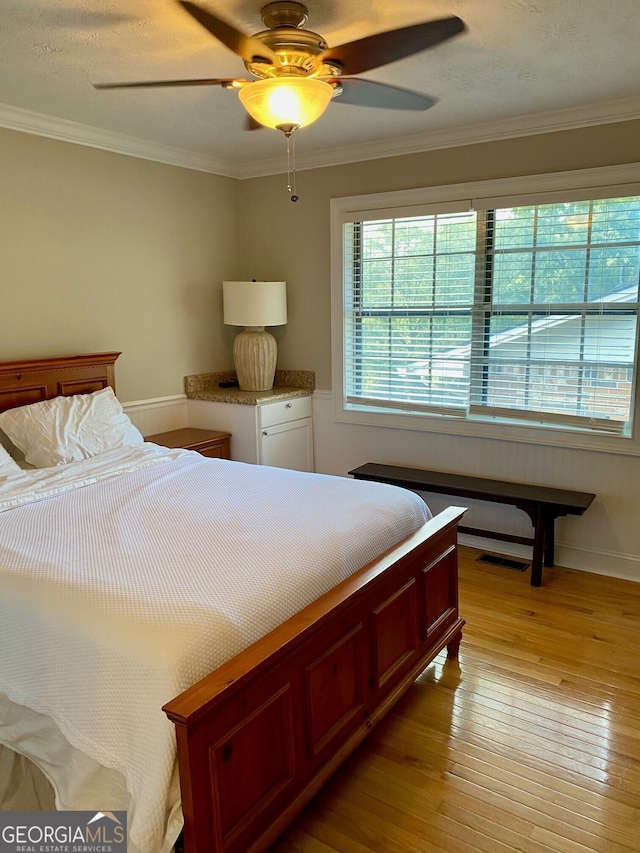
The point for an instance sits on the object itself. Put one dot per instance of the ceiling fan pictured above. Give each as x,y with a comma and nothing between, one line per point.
295,74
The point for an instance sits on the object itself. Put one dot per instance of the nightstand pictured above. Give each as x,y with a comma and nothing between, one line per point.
208,442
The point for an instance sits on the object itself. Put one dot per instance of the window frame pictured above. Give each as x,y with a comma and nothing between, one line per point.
611,181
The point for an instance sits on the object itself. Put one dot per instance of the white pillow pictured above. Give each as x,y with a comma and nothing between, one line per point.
7,464
68,429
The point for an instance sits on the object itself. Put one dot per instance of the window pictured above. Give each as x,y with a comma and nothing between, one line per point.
516,313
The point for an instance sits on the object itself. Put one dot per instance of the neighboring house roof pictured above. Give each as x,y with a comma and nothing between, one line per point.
523,333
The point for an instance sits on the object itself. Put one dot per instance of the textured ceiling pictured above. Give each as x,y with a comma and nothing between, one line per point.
518,58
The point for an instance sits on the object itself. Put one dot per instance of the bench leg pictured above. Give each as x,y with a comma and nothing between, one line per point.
538,548
549,536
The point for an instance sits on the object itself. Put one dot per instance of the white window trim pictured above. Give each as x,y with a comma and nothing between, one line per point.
606,181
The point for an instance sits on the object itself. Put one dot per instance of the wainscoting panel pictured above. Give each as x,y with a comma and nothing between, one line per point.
158,415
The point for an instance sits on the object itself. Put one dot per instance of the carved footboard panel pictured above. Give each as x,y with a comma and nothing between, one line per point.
258,737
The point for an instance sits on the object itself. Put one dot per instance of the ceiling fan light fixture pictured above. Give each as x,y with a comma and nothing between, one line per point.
286,102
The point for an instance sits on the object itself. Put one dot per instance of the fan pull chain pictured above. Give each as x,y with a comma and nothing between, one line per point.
291,165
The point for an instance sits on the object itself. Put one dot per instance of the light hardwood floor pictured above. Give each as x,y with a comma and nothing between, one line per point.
530,742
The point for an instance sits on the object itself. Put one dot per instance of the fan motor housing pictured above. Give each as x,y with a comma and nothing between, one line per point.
299,51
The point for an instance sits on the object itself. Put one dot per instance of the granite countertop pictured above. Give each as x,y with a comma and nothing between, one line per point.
287,385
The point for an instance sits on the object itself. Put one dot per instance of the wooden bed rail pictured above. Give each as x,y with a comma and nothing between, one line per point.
259,736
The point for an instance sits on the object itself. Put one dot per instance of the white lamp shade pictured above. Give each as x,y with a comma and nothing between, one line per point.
254,303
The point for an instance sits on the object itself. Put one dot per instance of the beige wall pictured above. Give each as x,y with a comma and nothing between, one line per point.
291,241
100,251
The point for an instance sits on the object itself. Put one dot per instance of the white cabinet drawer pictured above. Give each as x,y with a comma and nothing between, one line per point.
283,411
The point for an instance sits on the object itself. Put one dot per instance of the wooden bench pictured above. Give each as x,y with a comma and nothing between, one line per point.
543,505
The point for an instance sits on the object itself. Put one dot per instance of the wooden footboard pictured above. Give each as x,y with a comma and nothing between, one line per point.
259,736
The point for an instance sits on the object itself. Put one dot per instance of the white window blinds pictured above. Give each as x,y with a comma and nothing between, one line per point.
523,313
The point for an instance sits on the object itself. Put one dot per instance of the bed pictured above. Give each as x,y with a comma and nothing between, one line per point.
272,669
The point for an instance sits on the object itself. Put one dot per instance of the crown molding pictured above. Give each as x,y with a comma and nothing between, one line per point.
39,124
551,121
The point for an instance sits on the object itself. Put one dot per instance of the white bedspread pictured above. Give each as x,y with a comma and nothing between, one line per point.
125,579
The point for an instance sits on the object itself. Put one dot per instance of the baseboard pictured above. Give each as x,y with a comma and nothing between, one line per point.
624,566
599,562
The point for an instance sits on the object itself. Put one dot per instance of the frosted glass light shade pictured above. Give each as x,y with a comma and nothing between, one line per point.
283,102
254,303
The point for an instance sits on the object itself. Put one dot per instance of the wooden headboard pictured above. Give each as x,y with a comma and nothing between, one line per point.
33,380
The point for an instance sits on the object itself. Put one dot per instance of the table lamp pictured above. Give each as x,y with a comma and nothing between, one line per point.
254,305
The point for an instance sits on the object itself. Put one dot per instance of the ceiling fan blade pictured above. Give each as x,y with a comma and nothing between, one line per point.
367,93
382,48
153,84
249,48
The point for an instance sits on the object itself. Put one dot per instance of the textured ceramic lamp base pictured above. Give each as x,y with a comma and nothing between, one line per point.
254,354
